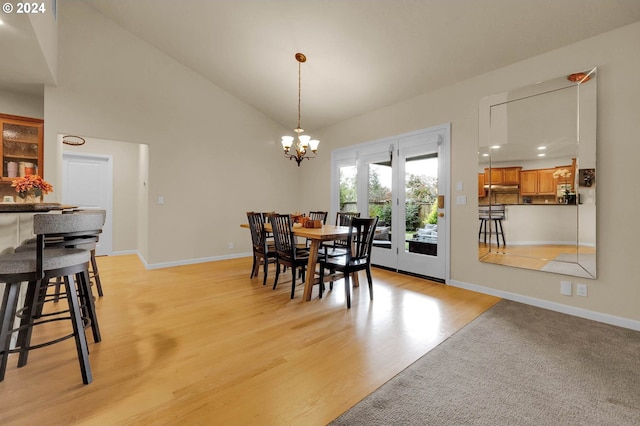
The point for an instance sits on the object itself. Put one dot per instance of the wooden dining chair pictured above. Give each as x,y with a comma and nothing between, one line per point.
338,247
357,257
318,215
287,254
264,252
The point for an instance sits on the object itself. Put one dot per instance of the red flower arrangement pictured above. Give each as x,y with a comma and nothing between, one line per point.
31,185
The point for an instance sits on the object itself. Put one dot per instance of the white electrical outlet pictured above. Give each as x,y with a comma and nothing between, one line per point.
565,288
230,246
581,290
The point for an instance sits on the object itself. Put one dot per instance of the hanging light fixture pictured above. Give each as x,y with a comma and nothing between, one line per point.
301,146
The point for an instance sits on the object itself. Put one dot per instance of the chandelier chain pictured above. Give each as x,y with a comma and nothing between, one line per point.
299,90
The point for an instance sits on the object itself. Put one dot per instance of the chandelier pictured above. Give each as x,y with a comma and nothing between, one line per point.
301,146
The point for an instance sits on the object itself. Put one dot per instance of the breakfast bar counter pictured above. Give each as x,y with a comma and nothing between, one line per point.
29,207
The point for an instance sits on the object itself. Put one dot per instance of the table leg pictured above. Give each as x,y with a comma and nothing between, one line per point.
311,269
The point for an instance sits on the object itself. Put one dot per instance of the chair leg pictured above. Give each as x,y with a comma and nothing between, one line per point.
95,273
500,232
254,266
84,289
32,311
266,270
78,329
321,282
275,282
7,315
57,290
347,290
370,280
293,281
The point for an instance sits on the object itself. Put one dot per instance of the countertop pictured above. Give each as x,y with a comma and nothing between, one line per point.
29,207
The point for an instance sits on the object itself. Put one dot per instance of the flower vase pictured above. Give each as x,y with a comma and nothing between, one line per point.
28,198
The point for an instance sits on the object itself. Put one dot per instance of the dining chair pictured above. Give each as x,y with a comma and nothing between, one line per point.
263,252
357,257
338,247
318,215
287,254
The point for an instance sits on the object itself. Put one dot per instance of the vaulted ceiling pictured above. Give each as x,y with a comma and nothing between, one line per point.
361,54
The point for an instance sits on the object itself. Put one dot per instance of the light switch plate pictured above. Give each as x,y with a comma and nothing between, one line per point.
461,200
581,290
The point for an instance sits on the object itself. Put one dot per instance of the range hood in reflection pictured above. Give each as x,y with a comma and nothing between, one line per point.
503,188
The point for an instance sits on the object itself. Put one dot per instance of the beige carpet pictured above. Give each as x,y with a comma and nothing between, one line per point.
515,365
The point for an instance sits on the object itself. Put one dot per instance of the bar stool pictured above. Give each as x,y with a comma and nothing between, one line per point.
494,213
38,267
94,273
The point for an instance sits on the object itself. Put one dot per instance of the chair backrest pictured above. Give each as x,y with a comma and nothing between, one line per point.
258,234
67,230
493,211
319,216
343,218
360,238
68,224
283,236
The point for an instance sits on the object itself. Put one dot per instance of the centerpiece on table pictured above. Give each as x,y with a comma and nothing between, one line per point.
30,187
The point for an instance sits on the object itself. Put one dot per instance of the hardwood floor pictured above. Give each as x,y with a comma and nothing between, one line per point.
204,344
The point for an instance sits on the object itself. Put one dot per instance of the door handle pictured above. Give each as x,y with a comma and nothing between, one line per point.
440,214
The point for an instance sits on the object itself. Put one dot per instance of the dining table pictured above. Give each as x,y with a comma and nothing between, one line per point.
316,236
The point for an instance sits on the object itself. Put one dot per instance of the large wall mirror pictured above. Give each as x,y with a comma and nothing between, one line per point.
537,176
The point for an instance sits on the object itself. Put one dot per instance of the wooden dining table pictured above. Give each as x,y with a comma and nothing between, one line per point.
316,236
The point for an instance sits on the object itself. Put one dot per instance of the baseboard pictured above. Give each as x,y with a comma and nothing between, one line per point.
192,261
553,306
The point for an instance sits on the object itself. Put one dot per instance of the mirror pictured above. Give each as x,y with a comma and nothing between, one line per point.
536,176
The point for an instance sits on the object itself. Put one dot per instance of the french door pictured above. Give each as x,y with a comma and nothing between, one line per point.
404,181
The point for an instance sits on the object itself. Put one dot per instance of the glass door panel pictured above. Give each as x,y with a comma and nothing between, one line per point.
348,181
379,201
421,204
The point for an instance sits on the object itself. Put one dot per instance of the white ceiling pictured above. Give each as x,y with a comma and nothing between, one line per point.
361,54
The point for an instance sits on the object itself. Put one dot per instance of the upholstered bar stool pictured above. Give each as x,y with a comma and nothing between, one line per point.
38,267
94,273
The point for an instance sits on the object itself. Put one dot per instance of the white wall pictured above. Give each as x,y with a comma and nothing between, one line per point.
616,292
211,157
21,104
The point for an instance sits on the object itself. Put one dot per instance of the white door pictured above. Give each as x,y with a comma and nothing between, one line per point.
422,176
87,183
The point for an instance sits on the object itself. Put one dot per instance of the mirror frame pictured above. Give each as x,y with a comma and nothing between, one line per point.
583,262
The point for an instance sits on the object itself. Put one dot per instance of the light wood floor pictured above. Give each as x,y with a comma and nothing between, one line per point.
204,344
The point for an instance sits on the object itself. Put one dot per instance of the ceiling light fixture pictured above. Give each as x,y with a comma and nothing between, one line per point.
298,147
73,140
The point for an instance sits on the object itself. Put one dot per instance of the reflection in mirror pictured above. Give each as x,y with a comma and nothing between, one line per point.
536,177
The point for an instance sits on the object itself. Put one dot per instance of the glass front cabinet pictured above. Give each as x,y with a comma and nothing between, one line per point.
22,147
